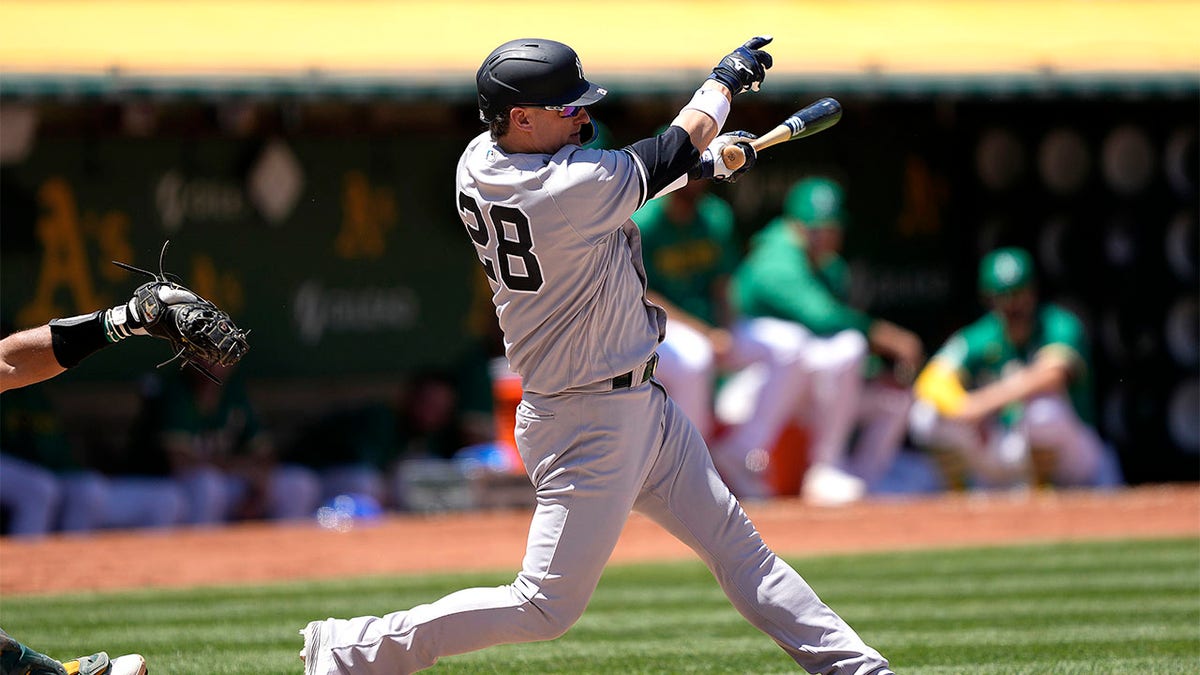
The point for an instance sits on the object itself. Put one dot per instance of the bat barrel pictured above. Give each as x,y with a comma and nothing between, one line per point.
810,119
814,117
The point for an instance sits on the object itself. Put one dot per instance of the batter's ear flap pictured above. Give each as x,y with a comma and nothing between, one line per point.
586,133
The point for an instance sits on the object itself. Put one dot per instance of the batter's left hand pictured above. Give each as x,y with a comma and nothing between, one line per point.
745,67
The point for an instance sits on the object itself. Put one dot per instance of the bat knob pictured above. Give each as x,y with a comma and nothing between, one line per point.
733,157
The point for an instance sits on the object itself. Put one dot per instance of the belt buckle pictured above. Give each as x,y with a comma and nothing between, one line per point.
626,380
651,365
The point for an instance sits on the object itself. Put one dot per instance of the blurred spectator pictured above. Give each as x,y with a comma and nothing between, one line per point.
45,483
366,449
430,423
1007,400
210,440
792,289
352,449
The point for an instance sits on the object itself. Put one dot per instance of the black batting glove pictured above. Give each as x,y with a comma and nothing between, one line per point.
745,67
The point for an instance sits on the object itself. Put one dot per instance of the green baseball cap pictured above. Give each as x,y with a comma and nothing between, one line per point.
816,202
1005,270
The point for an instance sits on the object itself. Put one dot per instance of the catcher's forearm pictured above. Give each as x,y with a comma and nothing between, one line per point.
27,357
41,353
77,337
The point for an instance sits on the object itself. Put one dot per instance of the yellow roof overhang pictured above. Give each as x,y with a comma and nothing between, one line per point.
434,44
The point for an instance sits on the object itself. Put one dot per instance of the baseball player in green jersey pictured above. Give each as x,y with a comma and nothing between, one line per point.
791,290
550,222
1014,387
690,251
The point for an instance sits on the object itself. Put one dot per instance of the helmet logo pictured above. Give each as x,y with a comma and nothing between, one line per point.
823,199
579,66
1008,269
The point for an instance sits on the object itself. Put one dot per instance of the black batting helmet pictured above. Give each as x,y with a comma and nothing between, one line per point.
532,71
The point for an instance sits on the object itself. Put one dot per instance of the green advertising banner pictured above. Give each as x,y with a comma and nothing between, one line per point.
336,254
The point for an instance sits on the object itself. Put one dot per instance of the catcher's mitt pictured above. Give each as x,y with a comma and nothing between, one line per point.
201,333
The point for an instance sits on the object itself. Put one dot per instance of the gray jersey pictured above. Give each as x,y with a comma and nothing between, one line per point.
563,258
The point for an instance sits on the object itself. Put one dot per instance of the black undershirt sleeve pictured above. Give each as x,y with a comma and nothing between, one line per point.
666,157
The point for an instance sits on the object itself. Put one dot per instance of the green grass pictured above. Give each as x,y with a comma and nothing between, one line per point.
1112,607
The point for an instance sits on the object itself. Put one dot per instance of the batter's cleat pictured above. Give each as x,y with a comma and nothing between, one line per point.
826,485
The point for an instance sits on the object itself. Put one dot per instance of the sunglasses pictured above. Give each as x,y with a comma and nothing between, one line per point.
564,110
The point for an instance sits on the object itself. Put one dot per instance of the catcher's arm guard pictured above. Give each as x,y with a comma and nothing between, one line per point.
201,333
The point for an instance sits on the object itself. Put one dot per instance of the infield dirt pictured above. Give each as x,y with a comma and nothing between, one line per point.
254,553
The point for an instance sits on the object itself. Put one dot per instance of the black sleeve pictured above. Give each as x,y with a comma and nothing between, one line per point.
75,338
665,157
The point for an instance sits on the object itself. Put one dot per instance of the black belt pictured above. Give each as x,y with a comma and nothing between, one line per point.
627,380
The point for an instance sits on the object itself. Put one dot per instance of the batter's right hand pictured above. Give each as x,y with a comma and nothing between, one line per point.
712,160
745,67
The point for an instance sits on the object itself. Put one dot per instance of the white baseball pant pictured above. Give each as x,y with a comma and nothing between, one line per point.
998,456
816,380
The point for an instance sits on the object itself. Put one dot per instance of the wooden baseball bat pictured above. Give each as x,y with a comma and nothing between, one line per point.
810,119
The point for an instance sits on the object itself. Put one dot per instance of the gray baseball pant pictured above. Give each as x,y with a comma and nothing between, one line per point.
593,457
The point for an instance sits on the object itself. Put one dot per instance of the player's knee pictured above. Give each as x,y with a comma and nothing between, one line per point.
91,490
44,490
548,615
1048,411
848,348
295,492
545,619
206,494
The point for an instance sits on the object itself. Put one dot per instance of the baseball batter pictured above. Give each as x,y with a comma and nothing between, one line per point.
598,435
1016,380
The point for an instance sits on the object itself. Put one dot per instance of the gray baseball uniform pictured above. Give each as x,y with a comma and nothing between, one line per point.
599,437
